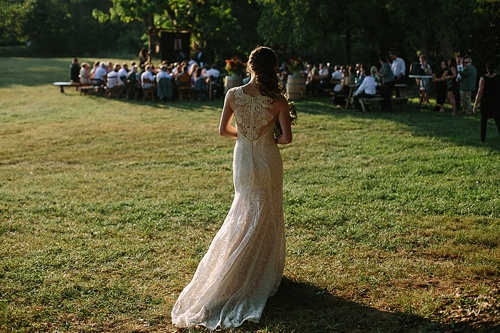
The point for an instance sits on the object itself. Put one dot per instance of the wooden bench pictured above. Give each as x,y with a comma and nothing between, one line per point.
367,101
85,89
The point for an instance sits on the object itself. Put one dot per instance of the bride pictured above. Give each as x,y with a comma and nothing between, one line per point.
244,264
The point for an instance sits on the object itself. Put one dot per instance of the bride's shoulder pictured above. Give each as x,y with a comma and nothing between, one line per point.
280,101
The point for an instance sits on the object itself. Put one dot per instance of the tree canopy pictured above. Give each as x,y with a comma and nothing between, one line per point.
319,31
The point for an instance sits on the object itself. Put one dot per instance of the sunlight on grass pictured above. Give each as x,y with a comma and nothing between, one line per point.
107,206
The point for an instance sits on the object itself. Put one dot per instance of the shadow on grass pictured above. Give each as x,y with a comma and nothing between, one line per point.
460,130
300,307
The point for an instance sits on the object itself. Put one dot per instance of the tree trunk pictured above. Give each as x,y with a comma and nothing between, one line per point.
445,43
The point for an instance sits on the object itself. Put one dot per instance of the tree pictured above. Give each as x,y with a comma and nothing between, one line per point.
212,23
68,28
12,16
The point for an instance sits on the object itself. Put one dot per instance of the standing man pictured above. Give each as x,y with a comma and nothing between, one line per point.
467,84
398,67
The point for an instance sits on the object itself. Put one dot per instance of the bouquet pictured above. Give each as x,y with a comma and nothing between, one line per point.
293,119
235,66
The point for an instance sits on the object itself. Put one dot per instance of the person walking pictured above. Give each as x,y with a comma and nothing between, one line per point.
489,97
245,261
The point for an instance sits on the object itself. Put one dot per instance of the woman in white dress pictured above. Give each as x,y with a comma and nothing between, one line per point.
244,264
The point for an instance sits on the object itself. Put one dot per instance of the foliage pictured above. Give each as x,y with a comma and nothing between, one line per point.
341,33
69,29
11,17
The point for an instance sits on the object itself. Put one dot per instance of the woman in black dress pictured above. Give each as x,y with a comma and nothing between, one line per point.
440,87
451,76
489,96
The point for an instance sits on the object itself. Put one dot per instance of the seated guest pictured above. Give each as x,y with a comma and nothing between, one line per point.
122,73
313,80
337,73
175,69
361,74
133,75
324,73
341,90
193,67
101,73
163,73
96,65
164,84
85,74
212,72
148,78
110,66
182,71
200,85
113,79
374,74
215,80
133,83
367,89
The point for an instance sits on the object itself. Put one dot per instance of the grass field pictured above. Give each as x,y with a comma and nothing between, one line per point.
107,206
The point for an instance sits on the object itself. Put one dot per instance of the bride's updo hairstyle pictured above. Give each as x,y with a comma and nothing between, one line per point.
263,63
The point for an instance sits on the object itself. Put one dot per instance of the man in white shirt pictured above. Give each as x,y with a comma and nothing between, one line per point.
323,71
337,73
367,89
398,67
212,72
163,73
148,78
100,73
122,73
112,79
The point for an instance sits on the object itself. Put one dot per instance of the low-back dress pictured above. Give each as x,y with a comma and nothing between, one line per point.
245,261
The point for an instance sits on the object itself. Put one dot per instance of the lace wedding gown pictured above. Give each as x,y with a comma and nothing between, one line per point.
245,262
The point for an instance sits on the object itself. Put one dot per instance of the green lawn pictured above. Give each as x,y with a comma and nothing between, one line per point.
107,206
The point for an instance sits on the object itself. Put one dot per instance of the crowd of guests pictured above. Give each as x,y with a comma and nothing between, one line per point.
162,80
454,82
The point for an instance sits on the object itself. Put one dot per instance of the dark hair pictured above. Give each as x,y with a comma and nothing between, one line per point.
198,72
453,62
490,67
263,63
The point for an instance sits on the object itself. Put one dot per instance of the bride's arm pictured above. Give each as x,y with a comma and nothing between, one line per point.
225,127
286,125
